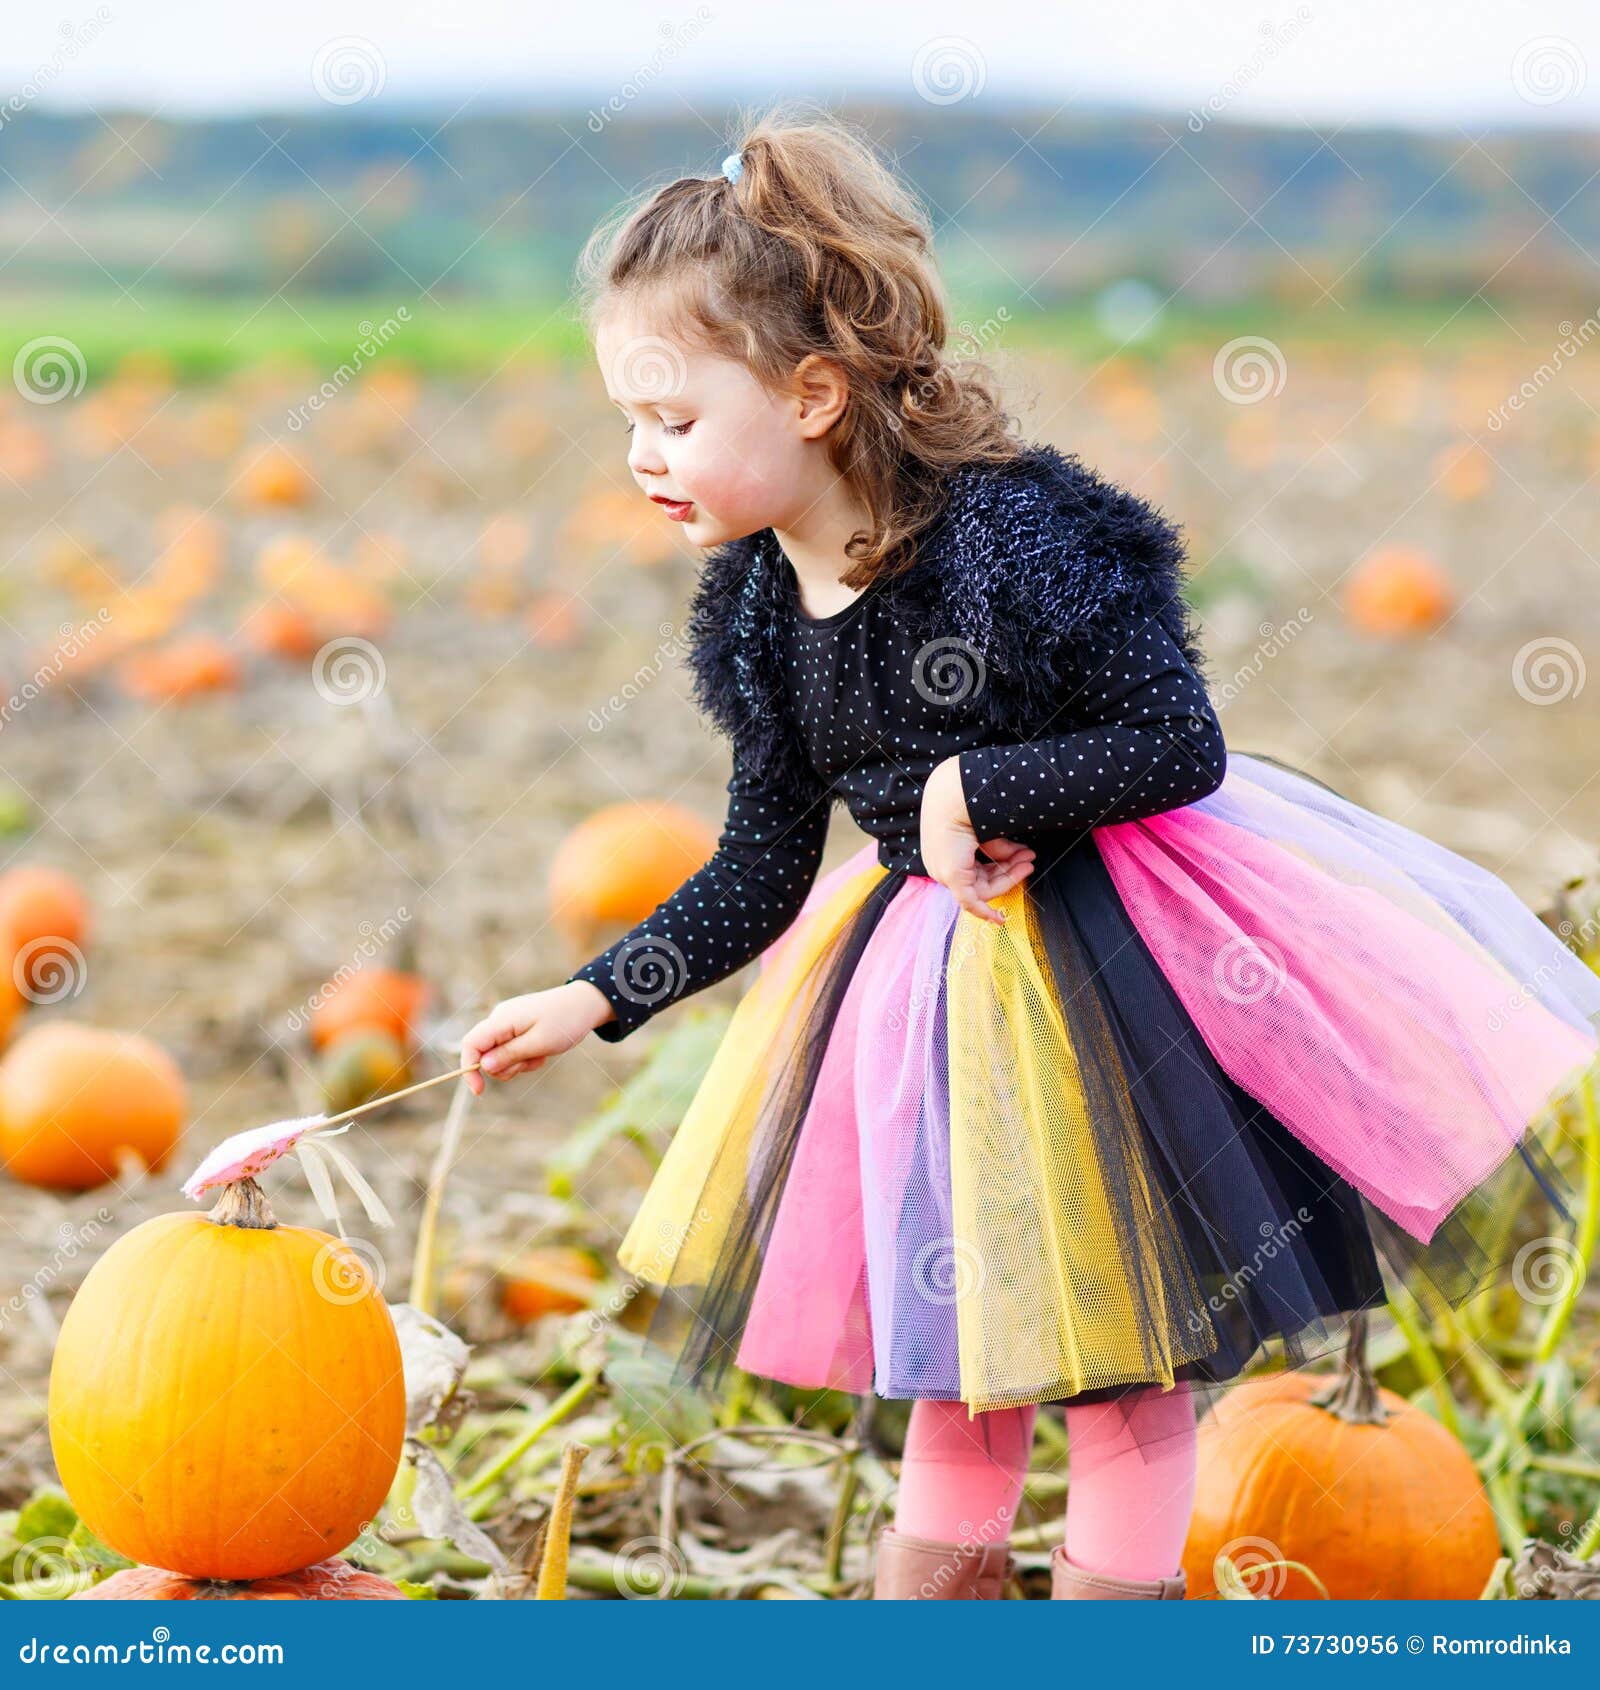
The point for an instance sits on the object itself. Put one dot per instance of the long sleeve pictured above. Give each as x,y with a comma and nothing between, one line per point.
1155,744
725,914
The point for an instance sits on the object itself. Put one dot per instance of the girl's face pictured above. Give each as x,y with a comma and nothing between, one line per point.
707,441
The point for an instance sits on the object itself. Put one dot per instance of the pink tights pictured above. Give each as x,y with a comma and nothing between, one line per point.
1128,1506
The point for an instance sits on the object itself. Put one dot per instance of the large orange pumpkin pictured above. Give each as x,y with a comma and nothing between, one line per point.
42,911
328,1581
226,1398
615,866
74,1098
387,1000
1369,1491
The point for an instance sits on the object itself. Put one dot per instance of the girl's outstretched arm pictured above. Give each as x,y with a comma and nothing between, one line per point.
726,913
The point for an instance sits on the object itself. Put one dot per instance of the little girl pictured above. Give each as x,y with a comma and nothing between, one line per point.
1115,1056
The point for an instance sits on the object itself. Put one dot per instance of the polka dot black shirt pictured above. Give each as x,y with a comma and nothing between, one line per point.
877,710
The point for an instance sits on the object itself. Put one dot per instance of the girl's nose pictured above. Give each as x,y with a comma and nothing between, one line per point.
644,459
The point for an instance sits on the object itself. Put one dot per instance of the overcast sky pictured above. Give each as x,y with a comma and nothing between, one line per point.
1435,62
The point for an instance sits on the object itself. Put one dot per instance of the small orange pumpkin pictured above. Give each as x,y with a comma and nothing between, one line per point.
328,1581
359,1065
183,668
190,565
553,1279
41,908
385,999
1398,590
12,1004
73,1099
348,604
292,564
617,864
554,619
280,630
274,477
1373,1494
226,1397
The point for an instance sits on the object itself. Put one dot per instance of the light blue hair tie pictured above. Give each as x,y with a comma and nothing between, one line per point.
733,167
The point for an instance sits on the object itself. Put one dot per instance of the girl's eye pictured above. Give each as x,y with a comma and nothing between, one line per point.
666,428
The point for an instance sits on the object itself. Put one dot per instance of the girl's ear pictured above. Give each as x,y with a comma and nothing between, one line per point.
822,390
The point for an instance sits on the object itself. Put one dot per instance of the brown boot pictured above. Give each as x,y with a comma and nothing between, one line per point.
918,1569
1069,1581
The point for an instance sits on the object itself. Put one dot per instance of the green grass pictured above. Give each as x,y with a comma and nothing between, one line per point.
204,338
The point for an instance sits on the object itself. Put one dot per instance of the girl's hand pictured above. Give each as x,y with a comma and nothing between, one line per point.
949,847
517,1035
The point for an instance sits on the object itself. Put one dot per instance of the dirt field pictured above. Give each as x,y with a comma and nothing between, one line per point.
238,847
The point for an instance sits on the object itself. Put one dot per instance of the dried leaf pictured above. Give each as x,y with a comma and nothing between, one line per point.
320,1181
433,1359
1545,1573
439,1514
370,1200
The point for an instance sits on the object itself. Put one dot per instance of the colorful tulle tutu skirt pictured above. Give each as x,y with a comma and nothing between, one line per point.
1223,1077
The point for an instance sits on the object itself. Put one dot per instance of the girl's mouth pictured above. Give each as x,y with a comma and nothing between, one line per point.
677,509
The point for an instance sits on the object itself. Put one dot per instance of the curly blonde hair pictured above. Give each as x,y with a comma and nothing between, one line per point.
817,249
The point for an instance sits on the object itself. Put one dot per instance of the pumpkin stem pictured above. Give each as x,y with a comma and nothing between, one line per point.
243,1203
1353,1393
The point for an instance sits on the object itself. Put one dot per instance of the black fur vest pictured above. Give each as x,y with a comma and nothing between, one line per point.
1028,563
